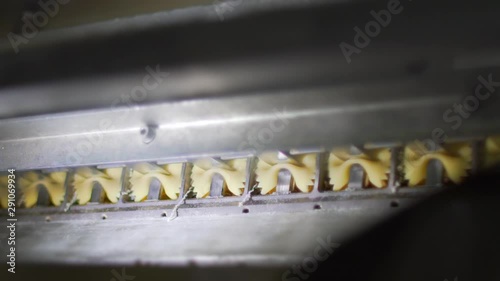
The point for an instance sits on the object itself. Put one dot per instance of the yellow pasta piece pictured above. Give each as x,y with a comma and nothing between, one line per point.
4,192
234,176
53,182
456,159
492,151
168,175
375,162
301,167
109,179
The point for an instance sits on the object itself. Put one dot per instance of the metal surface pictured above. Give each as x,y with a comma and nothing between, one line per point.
271,230
202,239
205,235
221,127
282,200
219,97
207,57
256,82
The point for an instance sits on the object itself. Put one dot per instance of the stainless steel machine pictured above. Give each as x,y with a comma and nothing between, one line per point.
226,139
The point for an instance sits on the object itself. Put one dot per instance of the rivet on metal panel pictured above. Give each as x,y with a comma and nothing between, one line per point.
149,133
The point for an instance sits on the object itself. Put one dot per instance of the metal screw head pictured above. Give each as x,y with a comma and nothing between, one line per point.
148,133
